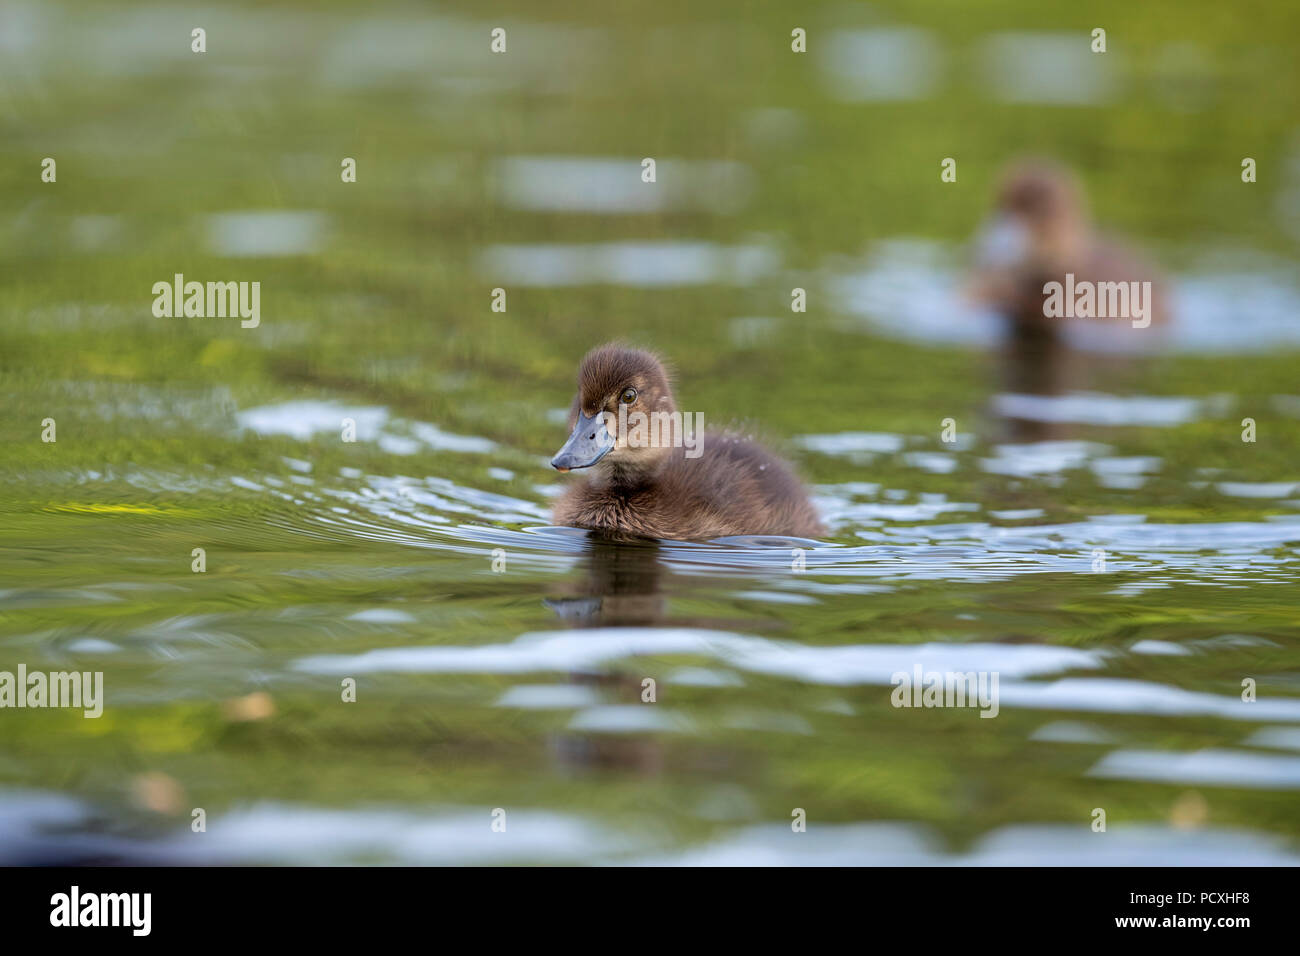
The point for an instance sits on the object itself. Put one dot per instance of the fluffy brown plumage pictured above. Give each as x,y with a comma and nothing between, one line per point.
733,487
1044,232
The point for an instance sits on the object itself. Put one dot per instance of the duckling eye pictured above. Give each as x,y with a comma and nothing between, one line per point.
628,396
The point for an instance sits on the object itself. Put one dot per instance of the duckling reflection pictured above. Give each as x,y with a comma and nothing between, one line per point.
1036,361
621,586
1041,233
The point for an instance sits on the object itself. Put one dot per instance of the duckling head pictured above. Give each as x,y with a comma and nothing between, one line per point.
1040,219
616,385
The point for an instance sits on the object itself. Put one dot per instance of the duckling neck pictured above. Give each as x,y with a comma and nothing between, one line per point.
628,475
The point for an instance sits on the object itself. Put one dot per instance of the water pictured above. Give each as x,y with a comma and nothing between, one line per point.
1109,547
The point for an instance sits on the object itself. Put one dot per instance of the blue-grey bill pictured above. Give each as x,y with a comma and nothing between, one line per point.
588,444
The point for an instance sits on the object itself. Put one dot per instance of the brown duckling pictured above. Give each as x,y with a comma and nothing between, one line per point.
652,477
1041,233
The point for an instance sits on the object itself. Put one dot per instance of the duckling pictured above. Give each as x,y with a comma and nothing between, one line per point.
1042,233
675,485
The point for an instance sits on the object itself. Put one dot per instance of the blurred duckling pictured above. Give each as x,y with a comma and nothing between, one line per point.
1041,233
693,487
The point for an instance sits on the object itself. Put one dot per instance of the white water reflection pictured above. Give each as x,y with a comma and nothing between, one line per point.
266,233
550,697
47,828
890,63
1118,696
1257,489
648,263
592,648
589,648
1221,768
1091,408
424,51
305,419
1055,68
1072,732
905,844
849,443
606,185
630,719
1041,458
